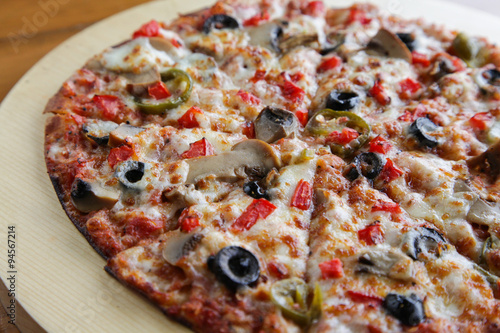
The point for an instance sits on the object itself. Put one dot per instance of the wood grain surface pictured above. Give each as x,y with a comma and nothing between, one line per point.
60,279
30,29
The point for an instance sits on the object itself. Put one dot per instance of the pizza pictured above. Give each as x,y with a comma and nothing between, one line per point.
281,166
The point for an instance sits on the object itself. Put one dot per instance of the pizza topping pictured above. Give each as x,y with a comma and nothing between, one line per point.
302,196
257,19
188,119
469,50
390,171
421,128
327,121
90,196
220,21
199,148
108,105
334,41
131,174
119,135
488,80
259,208
368,165
408,310
487,162
179,245
235,266
422,243
330,63
291,297
180,86
188,221
159,90
119,154
378,92
482,212
273,124
380,145
150,29
391,263
250,156
289,43
255,190
389,45
331,269
408,39
98,130
372,234
342,101
267,35
138,83
360,297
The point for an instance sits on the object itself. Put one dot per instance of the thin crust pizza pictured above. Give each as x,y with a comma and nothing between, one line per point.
282,166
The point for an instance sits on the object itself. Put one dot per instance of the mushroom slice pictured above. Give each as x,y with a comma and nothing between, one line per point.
179,245
483,213
291,42
267,35
121,133
139,83
98,130
90,196
273,124
250,156
488,162
388,44
391,263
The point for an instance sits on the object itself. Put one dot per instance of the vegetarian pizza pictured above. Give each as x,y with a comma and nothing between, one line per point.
281,166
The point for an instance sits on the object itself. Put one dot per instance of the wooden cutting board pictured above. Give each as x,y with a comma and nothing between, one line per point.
60,279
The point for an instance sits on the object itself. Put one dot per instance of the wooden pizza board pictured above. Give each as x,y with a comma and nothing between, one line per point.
59,278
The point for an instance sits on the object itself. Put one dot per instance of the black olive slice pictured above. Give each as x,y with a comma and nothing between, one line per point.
220,21
130,174
368,165
342,101
408,310
235,266
424,240
421,128
408,39
492,76
273,124
255,190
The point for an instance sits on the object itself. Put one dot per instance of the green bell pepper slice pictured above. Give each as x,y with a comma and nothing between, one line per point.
326,121
180,78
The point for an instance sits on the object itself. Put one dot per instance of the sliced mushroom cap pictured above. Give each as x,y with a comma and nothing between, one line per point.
388,44
291,42
121,133
273,124
90,196
390,263
483,213
488,162
250,156
98,130
139,83
488,80
178,245
267,35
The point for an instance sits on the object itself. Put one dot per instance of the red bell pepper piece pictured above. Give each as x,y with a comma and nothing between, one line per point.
342,138
301,198
119,154
372,234
331,269
159,91
330,63
259,208
150,29
386,206
188,119
380,145
199,148
390,171
378,92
